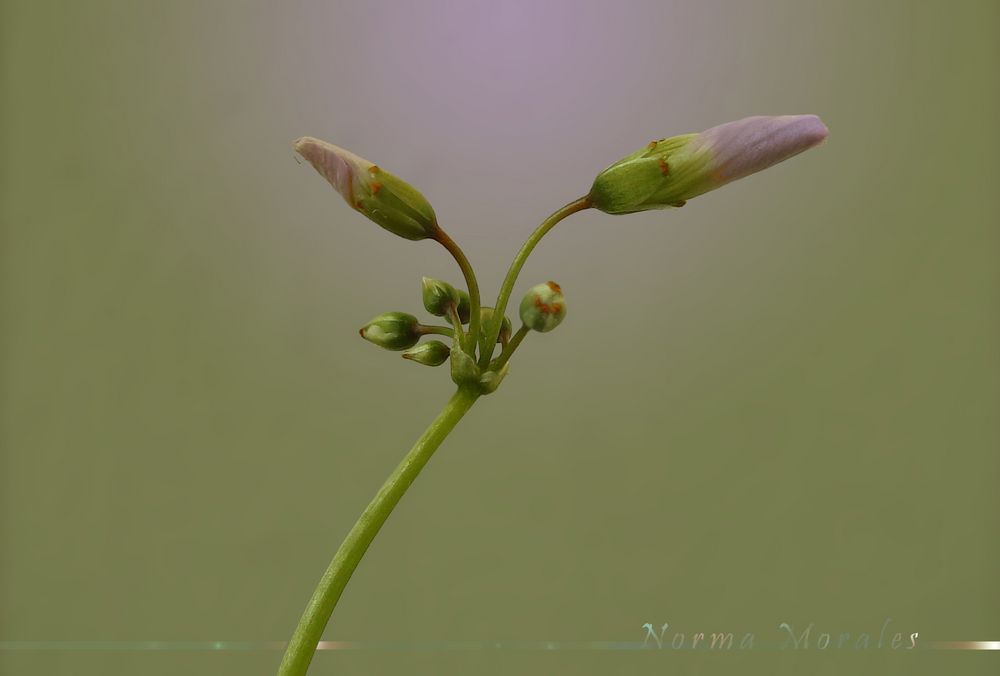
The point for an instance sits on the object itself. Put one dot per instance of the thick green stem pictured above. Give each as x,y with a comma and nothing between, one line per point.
470,281
493,330
310,628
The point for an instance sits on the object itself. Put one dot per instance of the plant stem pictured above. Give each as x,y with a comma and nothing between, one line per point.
470,281
509,348
310,628
493,330
459,332
424,330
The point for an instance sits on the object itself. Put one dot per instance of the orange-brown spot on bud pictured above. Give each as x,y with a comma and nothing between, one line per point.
664,167
652,144
544,307
361,332
556,308
555,287
373,169
376,186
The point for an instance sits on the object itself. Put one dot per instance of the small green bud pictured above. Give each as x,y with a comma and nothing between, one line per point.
486,317
439,296
464,306
392,331
490,381
384,198
432,353
464,369
668,172
543,307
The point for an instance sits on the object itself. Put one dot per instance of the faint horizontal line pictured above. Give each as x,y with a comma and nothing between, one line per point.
143,645
430,646
965,645
197,646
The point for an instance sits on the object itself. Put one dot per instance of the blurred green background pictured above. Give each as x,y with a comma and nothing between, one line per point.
778,404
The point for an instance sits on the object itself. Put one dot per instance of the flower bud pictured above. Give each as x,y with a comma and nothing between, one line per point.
668,172
432,353
392,331
464,306
486,314
464,369
486,318
438,296
389,201
490,381
543,307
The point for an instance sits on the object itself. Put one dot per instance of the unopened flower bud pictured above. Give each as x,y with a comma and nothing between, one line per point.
439,296
464,369
392,331
464,306
384,198
490,381
668,172
543,307
486,315
432,353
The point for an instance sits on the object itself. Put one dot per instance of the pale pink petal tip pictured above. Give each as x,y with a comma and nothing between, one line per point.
812,129
749,145
335,164
307,146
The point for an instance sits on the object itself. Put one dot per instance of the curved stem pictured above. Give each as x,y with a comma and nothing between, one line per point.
310,628
493,330
509,348
458,331
470,281
424,330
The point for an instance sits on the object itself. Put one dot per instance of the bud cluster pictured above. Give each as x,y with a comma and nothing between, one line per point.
665,173
401,331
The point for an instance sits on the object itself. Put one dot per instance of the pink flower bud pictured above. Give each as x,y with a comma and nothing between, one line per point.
668,172
384,198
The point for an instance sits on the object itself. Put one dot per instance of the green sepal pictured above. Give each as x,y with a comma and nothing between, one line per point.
666,173
464,369
490,381
401,198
